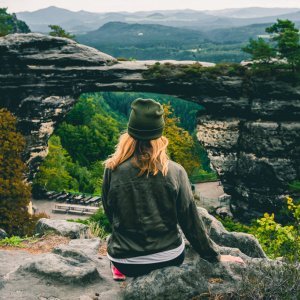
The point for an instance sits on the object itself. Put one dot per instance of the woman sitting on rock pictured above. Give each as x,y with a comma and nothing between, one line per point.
145,195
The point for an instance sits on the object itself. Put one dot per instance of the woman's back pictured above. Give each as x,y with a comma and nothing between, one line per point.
143,209
145,196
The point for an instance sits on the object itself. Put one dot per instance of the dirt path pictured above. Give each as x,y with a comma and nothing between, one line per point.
210,189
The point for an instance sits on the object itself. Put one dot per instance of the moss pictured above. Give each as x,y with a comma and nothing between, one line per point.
233,225
295,186
195,72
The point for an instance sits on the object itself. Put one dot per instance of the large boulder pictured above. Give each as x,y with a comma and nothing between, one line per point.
246,243
73,271
71,263
198,279
69,229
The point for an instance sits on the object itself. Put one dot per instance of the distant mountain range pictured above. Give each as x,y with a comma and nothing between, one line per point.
216,36
143,35
140,35
251,12
83,21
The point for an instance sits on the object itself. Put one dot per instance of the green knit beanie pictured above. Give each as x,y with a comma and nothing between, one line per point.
146,121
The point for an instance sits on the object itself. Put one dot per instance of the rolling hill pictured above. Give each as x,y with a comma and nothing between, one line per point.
82,21
121,34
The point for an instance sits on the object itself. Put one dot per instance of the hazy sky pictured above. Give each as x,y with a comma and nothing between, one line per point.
136,5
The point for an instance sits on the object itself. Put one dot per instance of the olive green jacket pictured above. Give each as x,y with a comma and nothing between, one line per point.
144,212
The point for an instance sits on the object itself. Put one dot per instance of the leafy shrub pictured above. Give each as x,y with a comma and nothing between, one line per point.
98,223
276,239
233,225
200,175
101,218
14,241
97,230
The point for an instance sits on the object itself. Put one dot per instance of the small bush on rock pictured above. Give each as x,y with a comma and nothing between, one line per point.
98,224
278,240
14,241
231,225
265,281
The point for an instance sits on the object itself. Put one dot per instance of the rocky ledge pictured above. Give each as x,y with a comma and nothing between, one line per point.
78,270
250,126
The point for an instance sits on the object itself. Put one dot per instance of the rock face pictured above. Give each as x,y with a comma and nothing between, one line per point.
69,229
250,127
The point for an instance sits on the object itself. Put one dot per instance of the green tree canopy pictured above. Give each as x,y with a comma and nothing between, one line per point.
59,173
89,133
287,37
285,44
260,50
54,173
10,24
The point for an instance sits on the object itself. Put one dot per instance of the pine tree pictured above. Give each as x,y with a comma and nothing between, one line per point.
9,23
260,50
15,193
288,41
60,32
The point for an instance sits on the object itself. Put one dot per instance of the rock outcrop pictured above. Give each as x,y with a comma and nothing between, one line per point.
198,279
79,271
73,271
69,229
250,126
246,243
70,264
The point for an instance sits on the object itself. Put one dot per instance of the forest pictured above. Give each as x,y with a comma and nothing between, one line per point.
90,131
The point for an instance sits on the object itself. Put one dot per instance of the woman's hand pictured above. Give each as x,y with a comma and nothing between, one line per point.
230,258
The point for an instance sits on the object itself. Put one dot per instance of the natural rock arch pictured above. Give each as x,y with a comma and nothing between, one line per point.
250,127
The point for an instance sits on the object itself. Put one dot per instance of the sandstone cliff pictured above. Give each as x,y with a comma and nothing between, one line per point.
250,126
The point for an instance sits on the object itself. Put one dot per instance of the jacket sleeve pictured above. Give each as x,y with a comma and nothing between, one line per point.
191,223
105,190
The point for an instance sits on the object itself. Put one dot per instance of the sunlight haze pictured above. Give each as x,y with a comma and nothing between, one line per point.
141,5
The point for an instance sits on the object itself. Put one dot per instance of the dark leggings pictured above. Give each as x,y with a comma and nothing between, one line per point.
134,270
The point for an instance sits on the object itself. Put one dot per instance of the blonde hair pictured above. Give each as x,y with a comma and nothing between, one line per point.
148,156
